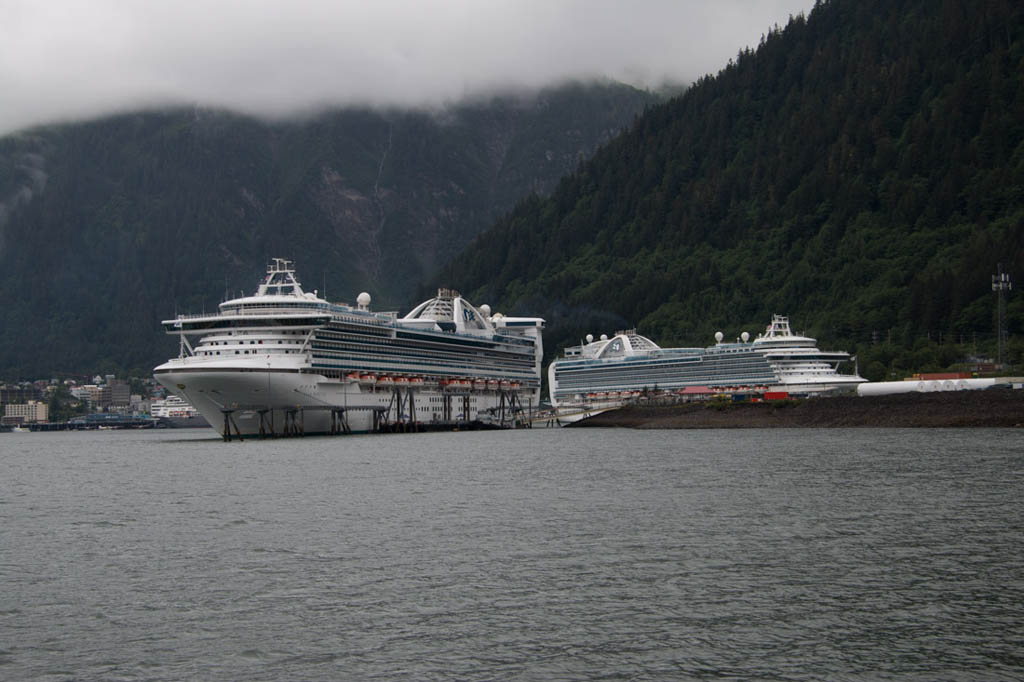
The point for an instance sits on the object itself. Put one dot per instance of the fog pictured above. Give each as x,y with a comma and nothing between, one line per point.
62,60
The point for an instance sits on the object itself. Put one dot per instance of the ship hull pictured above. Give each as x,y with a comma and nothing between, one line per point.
304,403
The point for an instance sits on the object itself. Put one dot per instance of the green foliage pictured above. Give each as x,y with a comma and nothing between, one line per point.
108,227
62,405
862,170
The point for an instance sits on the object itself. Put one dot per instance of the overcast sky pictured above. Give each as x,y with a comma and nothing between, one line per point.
66,60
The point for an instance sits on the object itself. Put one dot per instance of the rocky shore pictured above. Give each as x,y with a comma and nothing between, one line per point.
989,408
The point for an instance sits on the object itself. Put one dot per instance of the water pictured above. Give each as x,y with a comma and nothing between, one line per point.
531,555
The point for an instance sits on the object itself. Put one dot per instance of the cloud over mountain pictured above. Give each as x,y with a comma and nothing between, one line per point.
66,60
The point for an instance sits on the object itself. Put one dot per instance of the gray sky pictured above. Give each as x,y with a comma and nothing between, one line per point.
64,60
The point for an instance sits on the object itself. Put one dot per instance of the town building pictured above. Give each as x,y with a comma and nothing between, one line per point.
30,412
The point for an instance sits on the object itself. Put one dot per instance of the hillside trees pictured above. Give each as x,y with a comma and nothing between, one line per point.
862,170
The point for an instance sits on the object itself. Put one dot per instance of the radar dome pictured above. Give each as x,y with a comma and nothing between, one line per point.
590,338
363,300
745,336
719,336
604,337
486,310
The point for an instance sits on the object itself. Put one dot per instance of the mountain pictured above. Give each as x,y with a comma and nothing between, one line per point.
861,170
108,227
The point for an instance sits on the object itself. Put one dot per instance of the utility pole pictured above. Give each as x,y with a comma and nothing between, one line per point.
1001,284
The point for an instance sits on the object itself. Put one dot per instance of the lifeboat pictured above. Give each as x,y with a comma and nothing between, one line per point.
515,386
352,377
385,381
479,384
401,381
368,379
505,385
416,382
492,384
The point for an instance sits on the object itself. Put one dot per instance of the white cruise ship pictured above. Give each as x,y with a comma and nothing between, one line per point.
172,406
610,370
285,361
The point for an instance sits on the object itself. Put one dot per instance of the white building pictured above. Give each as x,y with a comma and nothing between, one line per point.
26,413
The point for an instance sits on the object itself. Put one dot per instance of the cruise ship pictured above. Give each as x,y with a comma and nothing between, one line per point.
608,371
285,361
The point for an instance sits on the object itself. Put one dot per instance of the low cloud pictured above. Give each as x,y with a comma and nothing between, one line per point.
66,60
30,181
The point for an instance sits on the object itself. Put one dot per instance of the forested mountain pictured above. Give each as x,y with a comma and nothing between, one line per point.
108,227
862,171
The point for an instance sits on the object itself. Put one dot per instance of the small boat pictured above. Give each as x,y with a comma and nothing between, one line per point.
368,379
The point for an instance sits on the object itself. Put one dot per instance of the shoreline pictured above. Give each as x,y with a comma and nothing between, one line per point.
998,407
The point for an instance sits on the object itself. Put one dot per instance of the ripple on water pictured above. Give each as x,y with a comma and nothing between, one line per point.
552,554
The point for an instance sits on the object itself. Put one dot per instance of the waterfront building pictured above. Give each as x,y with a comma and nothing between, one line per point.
31,412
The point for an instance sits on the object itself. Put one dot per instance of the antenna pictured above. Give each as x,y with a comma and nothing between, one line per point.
1000,284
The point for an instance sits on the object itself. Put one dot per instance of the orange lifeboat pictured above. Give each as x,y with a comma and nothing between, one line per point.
479,384
416,382
352,377
492,384
385,381
401,381
369,379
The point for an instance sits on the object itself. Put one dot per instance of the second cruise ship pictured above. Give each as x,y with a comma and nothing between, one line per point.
610,370
285,361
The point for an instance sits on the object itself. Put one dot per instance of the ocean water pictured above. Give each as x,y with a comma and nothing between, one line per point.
552,554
